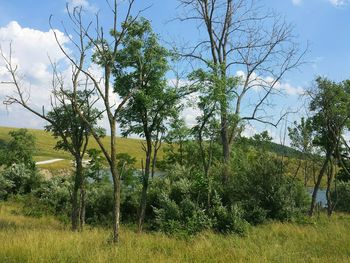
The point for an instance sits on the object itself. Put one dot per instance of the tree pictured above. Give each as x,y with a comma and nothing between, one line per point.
20,175
142,66
73,136
176,138
62,119
301,136
330,102
20,149
105,49
242,37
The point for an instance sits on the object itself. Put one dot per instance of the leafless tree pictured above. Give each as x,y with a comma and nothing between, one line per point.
73,135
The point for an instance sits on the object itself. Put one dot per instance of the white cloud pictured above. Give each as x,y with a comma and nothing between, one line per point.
297,2
31,50
257,82
82,3
338,3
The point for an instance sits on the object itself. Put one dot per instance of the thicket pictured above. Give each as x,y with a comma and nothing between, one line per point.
182,200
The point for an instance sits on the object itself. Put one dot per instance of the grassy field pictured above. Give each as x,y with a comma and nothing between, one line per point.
26,239
45,144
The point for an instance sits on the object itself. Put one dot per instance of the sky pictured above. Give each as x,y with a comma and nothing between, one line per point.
323,24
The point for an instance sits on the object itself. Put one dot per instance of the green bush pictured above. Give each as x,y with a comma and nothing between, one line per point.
228,220
54,196
342,196
18,179
186,217
99,202
266,193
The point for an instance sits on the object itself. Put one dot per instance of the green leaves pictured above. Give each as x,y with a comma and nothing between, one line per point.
20,149
330,105
140,68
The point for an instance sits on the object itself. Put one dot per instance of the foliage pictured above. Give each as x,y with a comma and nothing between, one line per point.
19,149
67,126
341,196
18,179
265,193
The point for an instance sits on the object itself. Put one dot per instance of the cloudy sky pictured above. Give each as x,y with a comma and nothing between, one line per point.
324,24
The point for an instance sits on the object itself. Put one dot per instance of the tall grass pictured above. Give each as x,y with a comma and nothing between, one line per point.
25,239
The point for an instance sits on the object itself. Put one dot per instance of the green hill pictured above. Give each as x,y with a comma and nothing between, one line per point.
45,144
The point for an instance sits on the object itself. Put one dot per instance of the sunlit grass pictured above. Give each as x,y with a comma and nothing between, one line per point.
45,144
25,239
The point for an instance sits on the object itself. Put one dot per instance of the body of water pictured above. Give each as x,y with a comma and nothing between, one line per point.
321,196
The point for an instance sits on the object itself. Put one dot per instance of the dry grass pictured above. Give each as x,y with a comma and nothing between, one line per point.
24,239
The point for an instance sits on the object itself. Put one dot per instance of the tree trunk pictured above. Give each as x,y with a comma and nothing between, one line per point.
116,185
318,183
225,142
306,177
328,191
75,198
145,181
82,206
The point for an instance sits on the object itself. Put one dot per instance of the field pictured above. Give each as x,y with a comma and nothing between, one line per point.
45,144
26,239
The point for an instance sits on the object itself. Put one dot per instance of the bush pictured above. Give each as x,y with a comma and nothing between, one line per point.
342,196
186,217
228,220
53,197
18,179
99,202
266,193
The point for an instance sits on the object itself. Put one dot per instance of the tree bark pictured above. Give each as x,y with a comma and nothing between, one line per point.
82,206
318,183
116,185
145,182
328,191
75,197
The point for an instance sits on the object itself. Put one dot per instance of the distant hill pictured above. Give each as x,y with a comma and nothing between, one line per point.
273,147
45,144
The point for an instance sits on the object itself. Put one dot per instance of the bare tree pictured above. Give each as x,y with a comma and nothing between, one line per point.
241,37
62,121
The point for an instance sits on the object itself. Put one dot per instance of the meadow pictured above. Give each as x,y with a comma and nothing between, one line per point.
28,239
45,144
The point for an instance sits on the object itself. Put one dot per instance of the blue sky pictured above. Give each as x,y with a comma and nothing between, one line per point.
324,24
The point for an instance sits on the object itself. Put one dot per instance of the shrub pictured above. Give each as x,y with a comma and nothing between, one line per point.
54,196
99,202
18,179
342,196
266,193
228,220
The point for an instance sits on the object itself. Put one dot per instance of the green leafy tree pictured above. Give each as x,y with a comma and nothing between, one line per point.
233,40
73,135
330,103
142,66
19,150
